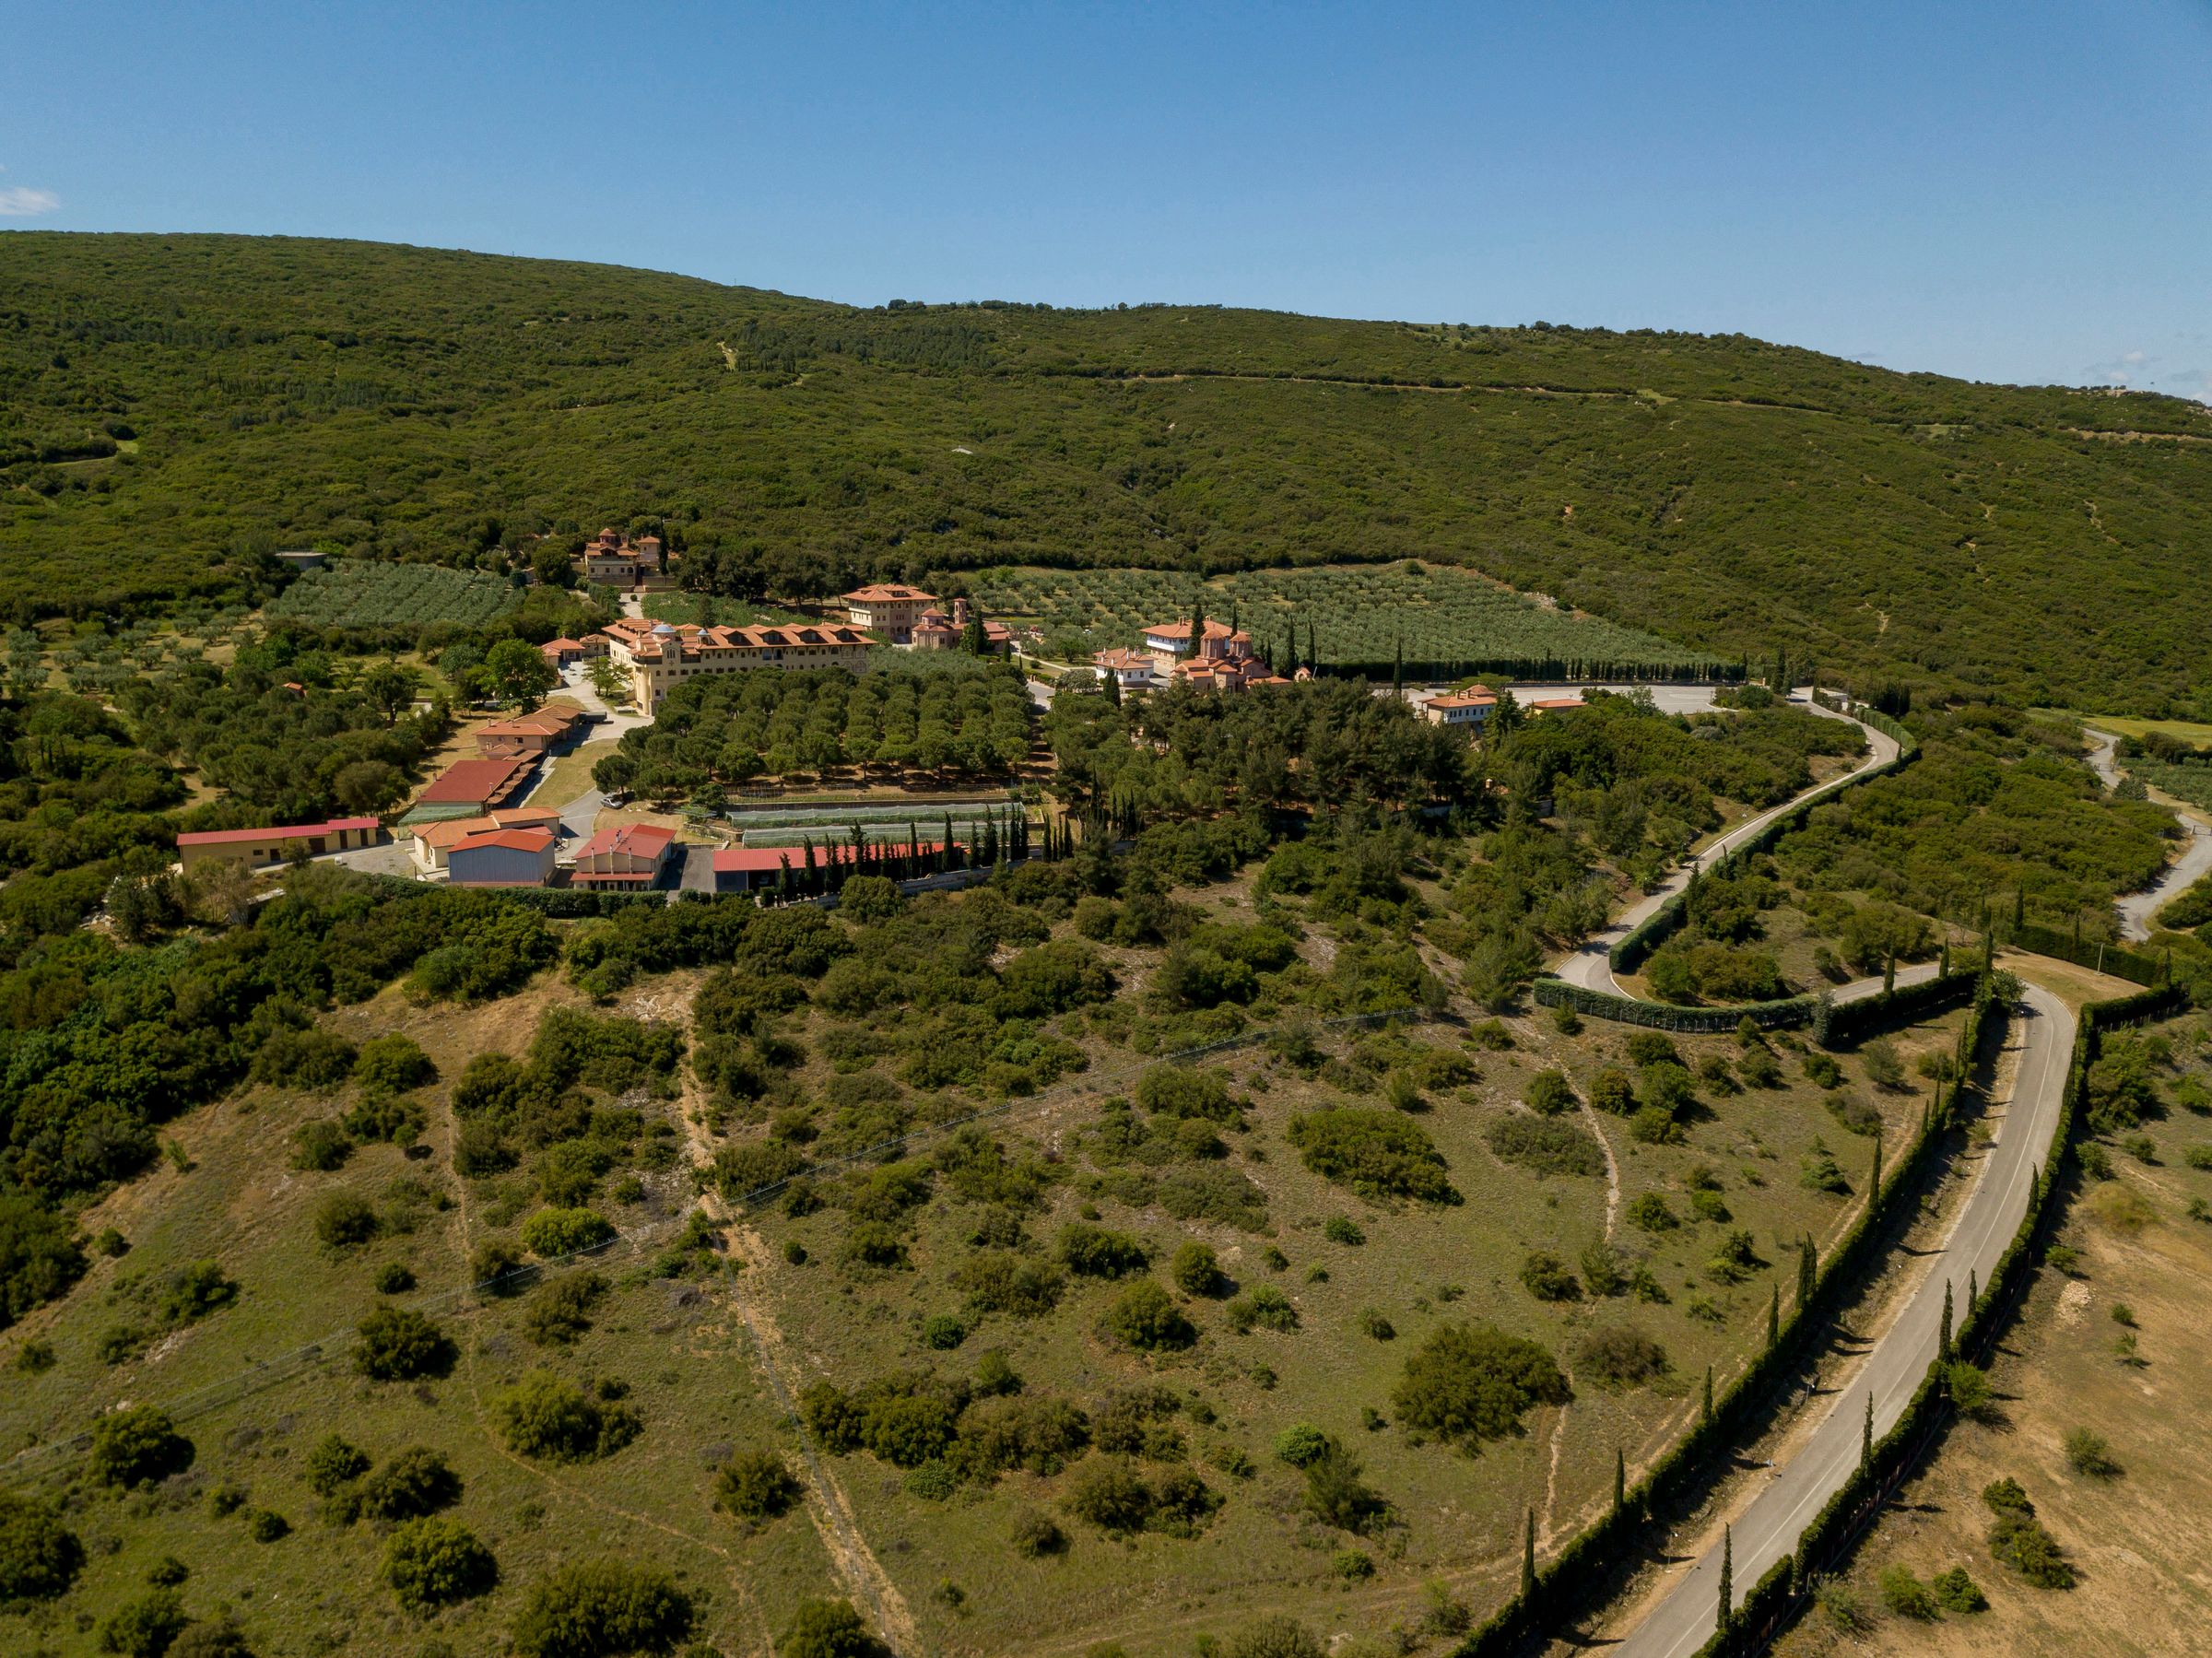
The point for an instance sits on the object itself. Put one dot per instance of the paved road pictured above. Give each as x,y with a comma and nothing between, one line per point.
1768,1527
1588,964
2137,910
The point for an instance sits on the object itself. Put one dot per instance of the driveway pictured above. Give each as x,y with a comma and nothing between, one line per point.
2139,908
1767,1528
1589,964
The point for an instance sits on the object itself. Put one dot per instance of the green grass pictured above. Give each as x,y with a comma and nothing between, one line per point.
677,1344
674,605
413,403
1357,615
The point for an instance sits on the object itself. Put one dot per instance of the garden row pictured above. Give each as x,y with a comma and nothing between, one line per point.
1440,622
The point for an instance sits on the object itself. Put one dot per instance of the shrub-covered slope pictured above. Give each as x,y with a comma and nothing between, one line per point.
172,406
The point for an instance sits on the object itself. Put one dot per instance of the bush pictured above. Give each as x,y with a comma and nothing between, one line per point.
1097,1252
1549,1093
1264,1307
415,1483
1181,1091
1146,1317
1275,1638
1107,1493
431,1563
1956,1592
2087,1453
543,1417
1342,1228
1611,1090
39,1557
756,1485
1195,1268
334,1464
394,1277
219,1638
1546,1278
400,1345
136,1447
304,1059
2019,1541
1621,1356
596,1608
345,1220
1547,1145
1335,1493
1470,1382
393,1064
1654,1126
943,1332
321,1146
1970,1394
1377,1153
144,1628
1905,1594
1301,1445
1650,1212
827,1630
266,1525
1004,1281
552,1233
1035,1534
559,1311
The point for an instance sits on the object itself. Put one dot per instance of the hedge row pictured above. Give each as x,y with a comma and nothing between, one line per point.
1656,928
1564,1588
2117,959
1785,1590
1834,1022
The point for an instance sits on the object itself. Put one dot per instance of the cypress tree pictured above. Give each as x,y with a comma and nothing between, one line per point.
1620,1478
1528,1561
947,858
1943,1336
1773,1315
1807,1275
1973,1293
1728,1614
1867,1433
1874,1182
1397,668
1705,1413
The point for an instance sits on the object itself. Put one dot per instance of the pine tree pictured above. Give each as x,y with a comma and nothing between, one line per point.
1528,1561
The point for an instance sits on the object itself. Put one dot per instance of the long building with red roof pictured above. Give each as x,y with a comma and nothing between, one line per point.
659,656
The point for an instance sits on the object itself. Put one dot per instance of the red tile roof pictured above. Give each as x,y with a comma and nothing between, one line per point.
286,831
642,840
514,840
889,593
476,782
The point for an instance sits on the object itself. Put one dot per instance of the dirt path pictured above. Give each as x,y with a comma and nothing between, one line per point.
762,1637
827,1503
1558,1431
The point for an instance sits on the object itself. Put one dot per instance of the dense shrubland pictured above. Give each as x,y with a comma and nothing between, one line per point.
404,402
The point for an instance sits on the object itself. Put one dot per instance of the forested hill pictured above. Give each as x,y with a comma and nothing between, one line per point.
172,407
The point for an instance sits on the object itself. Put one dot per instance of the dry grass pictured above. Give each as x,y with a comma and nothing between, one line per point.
2138,1540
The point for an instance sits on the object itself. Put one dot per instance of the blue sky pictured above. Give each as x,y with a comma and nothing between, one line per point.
2019,192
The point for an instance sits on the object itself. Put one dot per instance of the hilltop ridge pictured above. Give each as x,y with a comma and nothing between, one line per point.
177,406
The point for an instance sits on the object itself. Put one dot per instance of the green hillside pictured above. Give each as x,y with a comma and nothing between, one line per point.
173,407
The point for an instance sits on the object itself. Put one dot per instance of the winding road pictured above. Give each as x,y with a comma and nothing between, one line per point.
1767,1527
2137,910
1589,964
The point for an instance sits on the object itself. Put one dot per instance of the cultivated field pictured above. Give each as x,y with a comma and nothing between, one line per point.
1350,616
357,592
